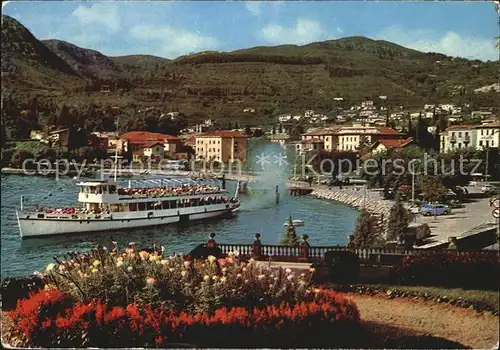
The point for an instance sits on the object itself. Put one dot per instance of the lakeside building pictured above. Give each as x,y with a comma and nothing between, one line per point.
381,146
139,140
350,138
470,136
221,146
280,139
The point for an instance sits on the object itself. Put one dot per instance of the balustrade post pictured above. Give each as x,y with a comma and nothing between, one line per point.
304,248
351,246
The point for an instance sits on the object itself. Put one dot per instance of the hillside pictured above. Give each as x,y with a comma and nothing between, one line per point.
28,63
138,62
86,62
277,79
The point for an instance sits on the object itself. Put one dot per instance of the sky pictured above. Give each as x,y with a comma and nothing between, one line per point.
172,29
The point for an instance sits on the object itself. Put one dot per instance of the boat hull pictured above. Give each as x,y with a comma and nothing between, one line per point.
35,227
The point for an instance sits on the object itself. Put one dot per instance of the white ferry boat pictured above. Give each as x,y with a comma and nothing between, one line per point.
107,206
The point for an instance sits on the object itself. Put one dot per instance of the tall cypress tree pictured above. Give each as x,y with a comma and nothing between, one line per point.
364,233
399,219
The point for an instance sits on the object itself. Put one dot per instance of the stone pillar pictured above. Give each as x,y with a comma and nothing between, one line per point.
257,247
232,149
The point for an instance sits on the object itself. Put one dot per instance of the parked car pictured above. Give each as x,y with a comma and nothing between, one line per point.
414,209
434,209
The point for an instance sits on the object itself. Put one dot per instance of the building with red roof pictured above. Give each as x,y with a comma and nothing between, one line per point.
385,145
139,140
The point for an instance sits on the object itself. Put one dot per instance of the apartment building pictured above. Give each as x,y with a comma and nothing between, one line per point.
221,146
328,136
350,138
473,136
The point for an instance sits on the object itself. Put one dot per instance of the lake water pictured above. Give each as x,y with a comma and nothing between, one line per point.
326,223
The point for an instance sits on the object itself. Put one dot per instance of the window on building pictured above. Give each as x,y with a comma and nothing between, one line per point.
481,143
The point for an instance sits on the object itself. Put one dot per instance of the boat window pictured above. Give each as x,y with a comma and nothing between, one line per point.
165,205
114,208
112,189
150,205
142,206
173,204
133,206
40,216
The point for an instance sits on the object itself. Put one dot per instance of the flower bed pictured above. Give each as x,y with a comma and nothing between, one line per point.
111,299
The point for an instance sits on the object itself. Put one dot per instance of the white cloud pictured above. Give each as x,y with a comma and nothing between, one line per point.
253,7
104,14
305,31
450,43
340,30
173,42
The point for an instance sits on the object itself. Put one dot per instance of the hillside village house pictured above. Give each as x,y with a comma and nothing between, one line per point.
309,145
140,140
328,137
221,146
59,137
474,136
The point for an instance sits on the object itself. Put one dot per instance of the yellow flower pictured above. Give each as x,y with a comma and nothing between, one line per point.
120,258
223,279
94,270
244,269
144,255
215,278
206,278
153,257
96,263
119,263
50,267
316,290
183,273
312,269
165,262
62,267
251,260
150,281
211,259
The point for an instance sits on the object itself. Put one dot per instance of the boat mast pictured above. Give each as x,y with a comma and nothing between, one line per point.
116,153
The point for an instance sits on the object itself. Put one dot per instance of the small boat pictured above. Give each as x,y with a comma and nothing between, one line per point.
294,223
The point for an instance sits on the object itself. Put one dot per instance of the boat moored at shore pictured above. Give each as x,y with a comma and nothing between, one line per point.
107,206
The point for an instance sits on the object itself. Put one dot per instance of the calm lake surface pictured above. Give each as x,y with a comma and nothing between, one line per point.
326,223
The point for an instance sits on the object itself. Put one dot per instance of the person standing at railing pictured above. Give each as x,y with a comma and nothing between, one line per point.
257,246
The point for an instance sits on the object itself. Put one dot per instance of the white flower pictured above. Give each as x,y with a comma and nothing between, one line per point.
302,275
224,269
261,276
164,262
206,278
119,263
183,273
246,281
150,281
244,269
238,275
130,268
187,263
288,270
223,279
171,269
251,260
289,277
230,254
236,253
211,259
